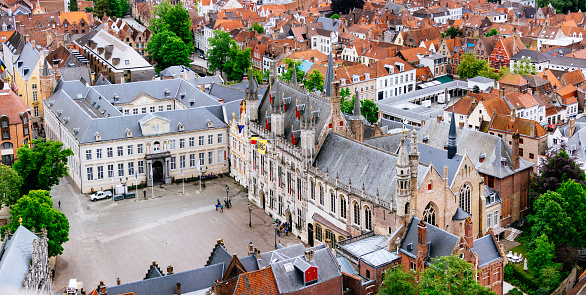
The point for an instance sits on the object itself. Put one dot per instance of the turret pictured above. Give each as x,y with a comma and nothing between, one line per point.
307,130
357,120
47,81
403,177
277,116
452,145
329,77
414,164
251,98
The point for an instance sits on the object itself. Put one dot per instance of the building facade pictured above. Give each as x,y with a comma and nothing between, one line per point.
15,125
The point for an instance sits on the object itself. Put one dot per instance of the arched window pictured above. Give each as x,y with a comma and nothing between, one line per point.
7,146
429,214
156,147
332,202
465,197
318,232
356,213
330,238
367,218
321,195
407,209
4,127
342,207
312,189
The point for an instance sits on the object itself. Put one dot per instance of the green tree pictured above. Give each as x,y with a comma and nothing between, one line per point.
347,104
315,80
158,23
258,75
558,167
220,44
560,214
101,8
399,281
289,73
451,275
10,184
344,93
168,50
524,67
175,19
73,5
89,9
37,213
335,16
258,28
453,32
492,32
541,255
42,165
470,67
369,110
238,61
111,8
563,6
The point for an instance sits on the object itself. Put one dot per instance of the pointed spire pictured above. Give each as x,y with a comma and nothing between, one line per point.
46,71
452,147
356,112
403,158
329,77
294,77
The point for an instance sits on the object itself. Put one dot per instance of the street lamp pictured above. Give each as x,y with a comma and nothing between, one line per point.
227,197
249,215
275,227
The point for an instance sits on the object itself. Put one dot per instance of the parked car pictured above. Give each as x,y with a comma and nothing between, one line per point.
100,195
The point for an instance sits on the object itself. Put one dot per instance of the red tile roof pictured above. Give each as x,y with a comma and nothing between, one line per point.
464,106
513,79
525,127
11,105
257,282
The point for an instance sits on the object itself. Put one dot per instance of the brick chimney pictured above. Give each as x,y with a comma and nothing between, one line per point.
439,118
309,255
468,233
102,288
461,125
118,281
250,248
515,148
422,247
170,270
178,288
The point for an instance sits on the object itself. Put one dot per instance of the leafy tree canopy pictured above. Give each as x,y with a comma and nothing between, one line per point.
73,5
345,6
558,167
492,32
368,109
168,50
399,281
173,18
524,67
37,213
112,8
315,80
453,32
335,16
563,6
258,75
470,67
10,184
289,73
42,165
219,45
451,275
258,28
238,61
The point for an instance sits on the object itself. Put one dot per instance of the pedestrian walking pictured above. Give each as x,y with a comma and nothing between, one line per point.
219,202
59,203
216,207
226,203
144,193
221,208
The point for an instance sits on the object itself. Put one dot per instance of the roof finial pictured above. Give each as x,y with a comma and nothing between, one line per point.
452,146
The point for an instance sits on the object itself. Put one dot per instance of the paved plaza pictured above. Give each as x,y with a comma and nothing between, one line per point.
109,241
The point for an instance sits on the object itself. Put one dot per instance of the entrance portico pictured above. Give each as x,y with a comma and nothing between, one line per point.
161,163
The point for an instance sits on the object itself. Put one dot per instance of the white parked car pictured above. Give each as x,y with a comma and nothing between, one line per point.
100,195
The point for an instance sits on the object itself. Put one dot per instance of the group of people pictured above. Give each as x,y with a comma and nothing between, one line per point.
227,204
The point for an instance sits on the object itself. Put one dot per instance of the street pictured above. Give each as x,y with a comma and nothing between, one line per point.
109,241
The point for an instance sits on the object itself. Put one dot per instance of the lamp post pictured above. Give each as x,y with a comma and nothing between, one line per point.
249,215
227,197
275,227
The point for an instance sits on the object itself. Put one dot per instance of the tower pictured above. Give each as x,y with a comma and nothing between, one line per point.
357,120
414,164
452,145
329,77
272,72
307,130
294,76
251,100
277,116
403,175
47,81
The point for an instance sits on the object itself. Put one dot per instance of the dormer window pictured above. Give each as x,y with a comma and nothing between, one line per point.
180,127
98,136
209,123
128,133
167,92
481,158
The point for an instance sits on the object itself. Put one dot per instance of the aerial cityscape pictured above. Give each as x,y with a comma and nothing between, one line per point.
351,147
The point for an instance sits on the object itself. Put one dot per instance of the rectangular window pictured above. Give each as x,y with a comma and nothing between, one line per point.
100,172
182,143
412,266
490,181
192,160
98,153
201,159
143,110
36,111
531,156
130,149
130,168
172,144
110,152
182,161
135,111
152,109
110,171
220,137
168,107
200,140
120,169
211,139
191,141
220,156
90,173
160,107
496,218
488,220
141,167
210,158
173,163
521,152
139,148
120,151
88,154
35,96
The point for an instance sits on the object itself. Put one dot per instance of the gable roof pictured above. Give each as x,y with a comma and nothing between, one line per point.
441,243
573,77
513,79
17,253
464,106
523,126
257,282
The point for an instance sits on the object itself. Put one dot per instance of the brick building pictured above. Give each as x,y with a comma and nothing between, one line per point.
514,83
504,49
14,124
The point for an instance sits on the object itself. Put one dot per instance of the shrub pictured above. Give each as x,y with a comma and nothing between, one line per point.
521,279
515,291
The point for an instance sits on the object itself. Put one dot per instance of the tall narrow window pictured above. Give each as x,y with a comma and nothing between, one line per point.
332,202
321,195
342,207
367,218
356,214
465,197
429,214
318,232
312,188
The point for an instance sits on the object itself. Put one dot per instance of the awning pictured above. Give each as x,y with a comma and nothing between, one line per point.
444,79
325,222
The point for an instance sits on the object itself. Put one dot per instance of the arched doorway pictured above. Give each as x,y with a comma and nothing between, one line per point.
289,219
157,171
310,234
262,199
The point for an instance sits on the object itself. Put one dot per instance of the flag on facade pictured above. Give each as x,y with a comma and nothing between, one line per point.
2,67
262,146
151,172
136,174
14,86
253,139
240,127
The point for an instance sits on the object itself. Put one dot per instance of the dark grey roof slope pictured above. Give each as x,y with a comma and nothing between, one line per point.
226,93
16,254
28,59
15,43
535,56
441,242
153,273
460,214
233,107
487,250
283,253
76,73
219,255
191,280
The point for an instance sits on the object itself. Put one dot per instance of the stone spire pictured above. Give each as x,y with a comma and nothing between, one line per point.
329,77
356,112
452,146
251,100
294,76
403,158
46,71
357,120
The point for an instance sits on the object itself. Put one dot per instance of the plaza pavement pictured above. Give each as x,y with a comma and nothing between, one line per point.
109,241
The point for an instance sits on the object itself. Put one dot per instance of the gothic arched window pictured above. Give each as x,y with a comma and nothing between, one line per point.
312,185
429,214
465,197
342,207
356,213
321,195
332,202
407,208
367,218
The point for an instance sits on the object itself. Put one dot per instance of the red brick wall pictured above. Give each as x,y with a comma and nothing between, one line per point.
16,137
375,274
355,285
510,189
333,286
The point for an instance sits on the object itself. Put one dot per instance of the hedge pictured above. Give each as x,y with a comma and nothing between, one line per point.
521,279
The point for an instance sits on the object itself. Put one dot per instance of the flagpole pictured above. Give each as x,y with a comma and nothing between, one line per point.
182,178
152,183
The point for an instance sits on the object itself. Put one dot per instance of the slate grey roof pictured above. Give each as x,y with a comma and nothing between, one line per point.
473,144
329,24
390,125
568,61
221,256
372,250
28,59
15,259
460,214
441,243
89,108
487,250
491,196
292,281
481,79
346,266
226,93
101,81
233,107
191,280
153,273
76,73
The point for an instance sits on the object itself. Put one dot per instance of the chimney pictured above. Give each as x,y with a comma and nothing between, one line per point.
468,234
572,128
439,118
422,240
515,148
309,254
118,281
461,125
100,50
178,288
502,92
116,61
102,288
544,76
170,270
513,115
250,248
202,87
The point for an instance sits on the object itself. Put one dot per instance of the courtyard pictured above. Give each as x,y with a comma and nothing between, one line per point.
120,240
